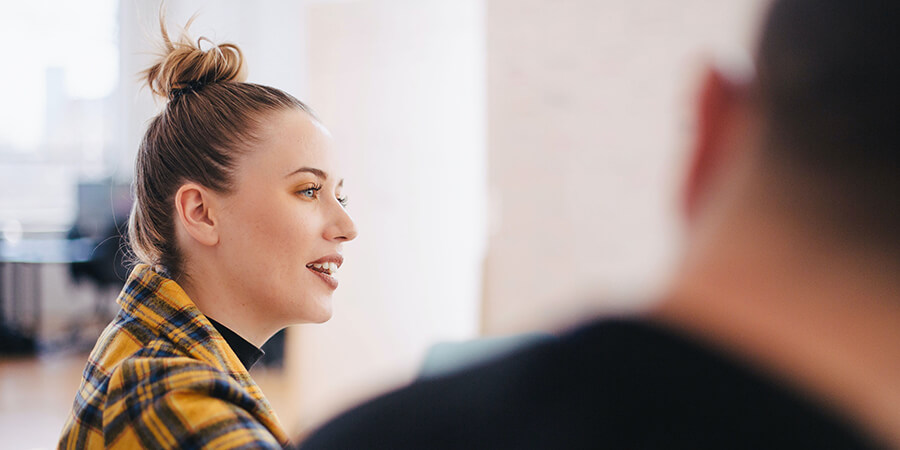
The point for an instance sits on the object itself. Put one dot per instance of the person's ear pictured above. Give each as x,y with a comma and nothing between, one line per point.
718,99
195,213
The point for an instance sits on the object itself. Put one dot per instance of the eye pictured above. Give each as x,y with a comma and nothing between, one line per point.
311,192
343,200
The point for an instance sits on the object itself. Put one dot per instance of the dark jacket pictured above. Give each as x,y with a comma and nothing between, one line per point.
611,384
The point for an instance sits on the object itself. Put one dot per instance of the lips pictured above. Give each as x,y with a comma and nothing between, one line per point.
326,267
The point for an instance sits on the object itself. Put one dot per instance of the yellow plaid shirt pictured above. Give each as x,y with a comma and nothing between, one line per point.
161,376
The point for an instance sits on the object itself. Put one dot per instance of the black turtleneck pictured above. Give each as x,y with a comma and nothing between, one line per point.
245,351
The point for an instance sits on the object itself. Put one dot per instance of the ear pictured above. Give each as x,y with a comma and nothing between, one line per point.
717,103
195,213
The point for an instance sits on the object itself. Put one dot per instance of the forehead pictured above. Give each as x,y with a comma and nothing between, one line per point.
288,140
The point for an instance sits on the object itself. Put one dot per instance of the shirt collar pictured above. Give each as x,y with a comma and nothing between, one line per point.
246,352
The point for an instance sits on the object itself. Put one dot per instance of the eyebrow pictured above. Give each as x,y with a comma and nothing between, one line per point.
315,172
311,170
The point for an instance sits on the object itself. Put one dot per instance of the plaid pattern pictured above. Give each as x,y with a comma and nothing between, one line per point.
161,376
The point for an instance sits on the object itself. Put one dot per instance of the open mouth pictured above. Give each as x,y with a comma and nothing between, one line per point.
325,269
328,268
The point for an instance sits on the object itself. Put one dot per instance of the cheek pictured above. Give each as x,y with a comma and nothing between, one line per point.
278,232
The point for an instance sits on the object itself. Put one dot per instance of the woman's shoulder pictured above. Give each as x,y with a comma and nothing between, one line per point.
158,370
191,399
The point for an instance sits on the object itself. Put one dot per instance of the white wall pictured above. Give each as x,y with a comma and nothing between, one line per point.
401,86
588,124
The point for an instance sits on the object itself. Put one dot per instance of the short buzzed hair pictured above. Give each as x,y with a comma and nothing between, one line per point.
829,89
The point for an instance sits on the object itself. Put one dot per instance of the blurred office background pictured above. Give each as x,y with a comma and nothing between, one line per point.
513,167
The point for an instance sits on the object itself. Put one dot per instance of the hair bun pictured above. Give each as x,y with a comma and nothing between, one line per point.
184,65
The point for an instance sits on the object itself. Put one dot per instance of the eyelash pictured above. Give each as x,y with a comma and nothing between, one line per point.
315,189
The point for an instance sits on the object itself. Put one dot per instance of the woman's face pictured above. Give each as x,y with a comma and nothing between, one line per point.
282,227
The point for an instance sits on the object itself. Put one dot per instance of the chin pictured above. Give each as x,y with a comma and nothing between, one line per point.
311,318
321,314
324,318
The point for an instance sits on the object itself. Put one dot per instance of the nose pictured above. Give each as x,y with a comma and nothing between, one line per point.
342,228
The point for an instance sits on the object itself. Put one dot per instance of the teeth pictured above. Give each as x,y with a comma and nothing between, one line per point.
329,267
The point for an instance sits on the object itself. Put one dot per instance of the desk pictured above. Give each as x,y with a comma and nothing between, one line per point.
20,268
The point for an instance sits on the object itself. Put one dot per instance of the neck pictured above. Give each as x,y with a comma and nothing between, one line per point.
215,299
823,317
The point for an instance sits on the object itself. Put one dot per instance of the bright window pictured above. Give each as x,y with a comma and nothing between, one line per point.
59,114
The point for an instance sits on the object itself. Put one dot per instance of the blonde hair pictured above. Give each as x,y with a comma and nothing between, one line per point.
210,119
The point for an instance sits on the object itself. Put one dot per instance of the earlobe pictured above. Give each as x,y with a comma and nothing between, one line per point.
195,214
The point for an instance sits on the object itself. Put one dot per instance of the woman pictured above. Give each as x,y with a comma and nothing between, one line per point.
238,223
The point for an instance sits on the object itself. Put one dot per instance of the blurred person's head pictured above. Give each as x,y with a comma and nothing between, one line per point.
237,190
793,207
815,127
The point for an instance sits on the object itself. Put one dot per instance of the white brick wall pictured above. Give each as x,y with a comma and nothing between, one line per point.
588,127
